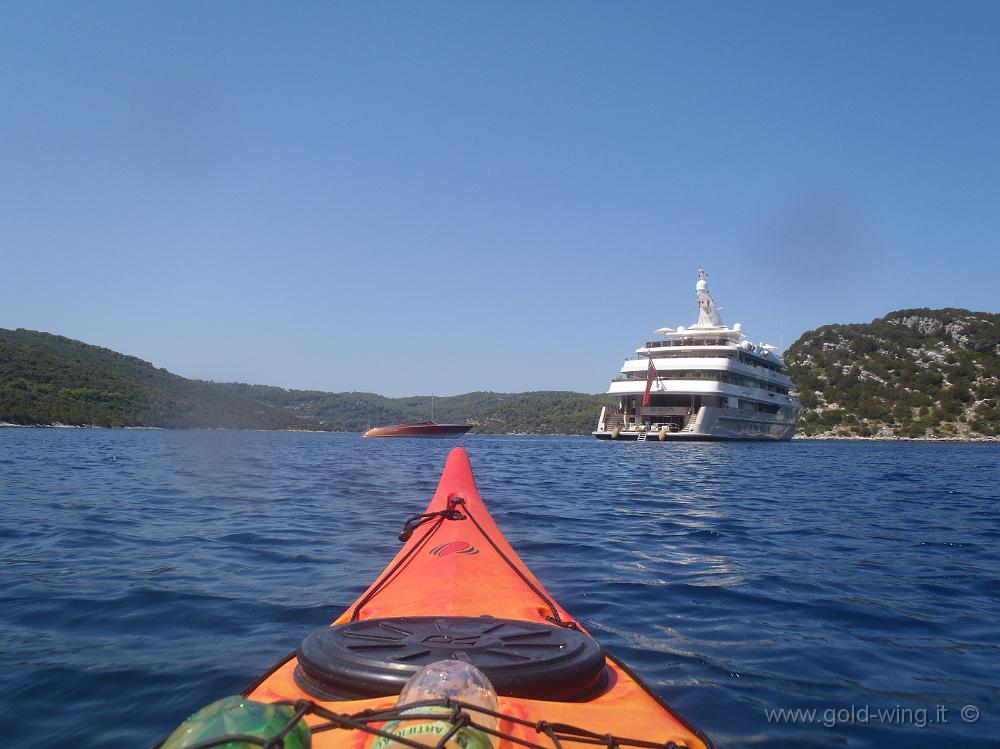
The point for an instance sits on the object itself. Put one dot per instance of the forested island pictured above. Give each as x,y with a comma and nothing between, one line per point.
48,379
912,374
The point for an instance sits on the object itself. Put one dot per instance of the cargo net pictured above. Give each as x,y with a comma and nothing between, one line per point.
556,735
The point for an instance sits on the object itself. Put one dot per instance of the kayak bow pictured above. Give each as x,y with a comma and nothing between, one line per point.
458,590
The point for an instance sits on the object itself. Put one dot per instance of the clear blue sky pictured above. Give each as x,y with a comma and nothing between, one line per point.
406,197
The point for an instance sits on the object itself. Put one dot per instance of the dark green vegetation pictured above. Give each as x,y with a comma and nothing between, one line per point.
912,373
48,379
543,412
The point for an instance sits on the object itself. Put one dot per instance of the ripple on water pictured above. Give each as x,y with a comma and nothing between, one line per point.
147,573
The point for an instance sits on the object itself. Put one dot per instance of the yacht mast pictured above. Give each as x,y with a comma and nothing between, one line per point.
709,315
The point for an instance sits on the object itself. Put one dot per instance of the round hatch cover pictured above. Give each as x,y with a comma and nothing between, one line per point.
375,657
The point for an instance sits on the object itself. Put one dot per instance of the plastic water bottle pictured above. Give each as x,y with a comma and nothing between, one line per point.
458,680
235,716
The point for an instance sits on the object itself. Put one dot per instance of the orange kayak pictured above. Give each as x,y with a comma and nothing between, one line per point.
458,590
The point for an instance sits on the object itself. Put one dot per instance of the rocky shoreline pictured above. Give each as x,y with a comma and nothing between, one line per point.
827,437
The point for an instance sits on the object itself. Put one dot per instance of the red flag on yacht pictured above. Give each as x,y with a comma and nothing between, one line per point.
650,376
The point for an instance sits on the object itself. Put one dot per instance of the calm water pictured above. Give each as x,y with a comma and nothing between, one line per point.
145,574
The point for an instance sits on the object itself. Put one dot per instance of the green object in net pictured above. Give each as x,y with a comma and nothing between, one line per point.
429,732
238,716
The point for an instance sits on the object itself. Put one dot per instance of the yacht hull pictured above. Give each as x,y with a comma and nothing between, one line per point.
711,424
684,437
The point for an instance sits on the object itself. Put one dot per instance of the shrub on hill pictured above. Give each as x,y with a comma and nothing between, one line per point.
912,373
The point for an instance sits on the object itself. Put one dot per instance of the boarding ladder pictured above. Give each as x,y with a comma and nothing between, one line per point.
689,422
641,436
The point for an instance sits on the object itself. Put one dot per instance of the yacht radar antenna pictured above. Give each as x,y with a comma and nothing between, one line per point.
708,313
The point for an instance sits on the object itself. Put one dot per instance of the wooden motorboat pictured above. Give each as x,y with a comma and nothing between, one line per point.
420,429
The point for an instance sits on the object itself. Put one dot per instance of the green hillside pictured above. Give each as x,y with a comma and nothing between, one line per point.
912,373
542,412
48,379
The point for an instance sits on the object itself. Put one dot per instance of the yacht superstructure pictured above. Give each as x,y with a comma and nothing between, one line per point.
706,381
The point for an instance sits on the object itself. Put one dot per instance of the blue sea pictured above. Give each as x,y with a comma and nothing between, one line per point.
803,594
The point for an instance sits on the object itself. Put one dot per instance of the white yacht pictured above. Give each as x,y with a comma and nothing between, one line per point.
703,382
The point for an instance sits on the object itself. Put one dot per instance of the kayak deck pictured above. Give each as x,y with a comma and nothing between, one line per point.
456,563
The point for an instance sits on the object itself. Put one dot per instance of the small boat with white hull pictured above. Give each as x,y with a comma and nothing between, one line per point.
703,382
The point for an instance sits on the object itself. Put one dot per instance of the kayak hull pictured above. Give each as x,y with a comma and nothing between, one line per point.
465,567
